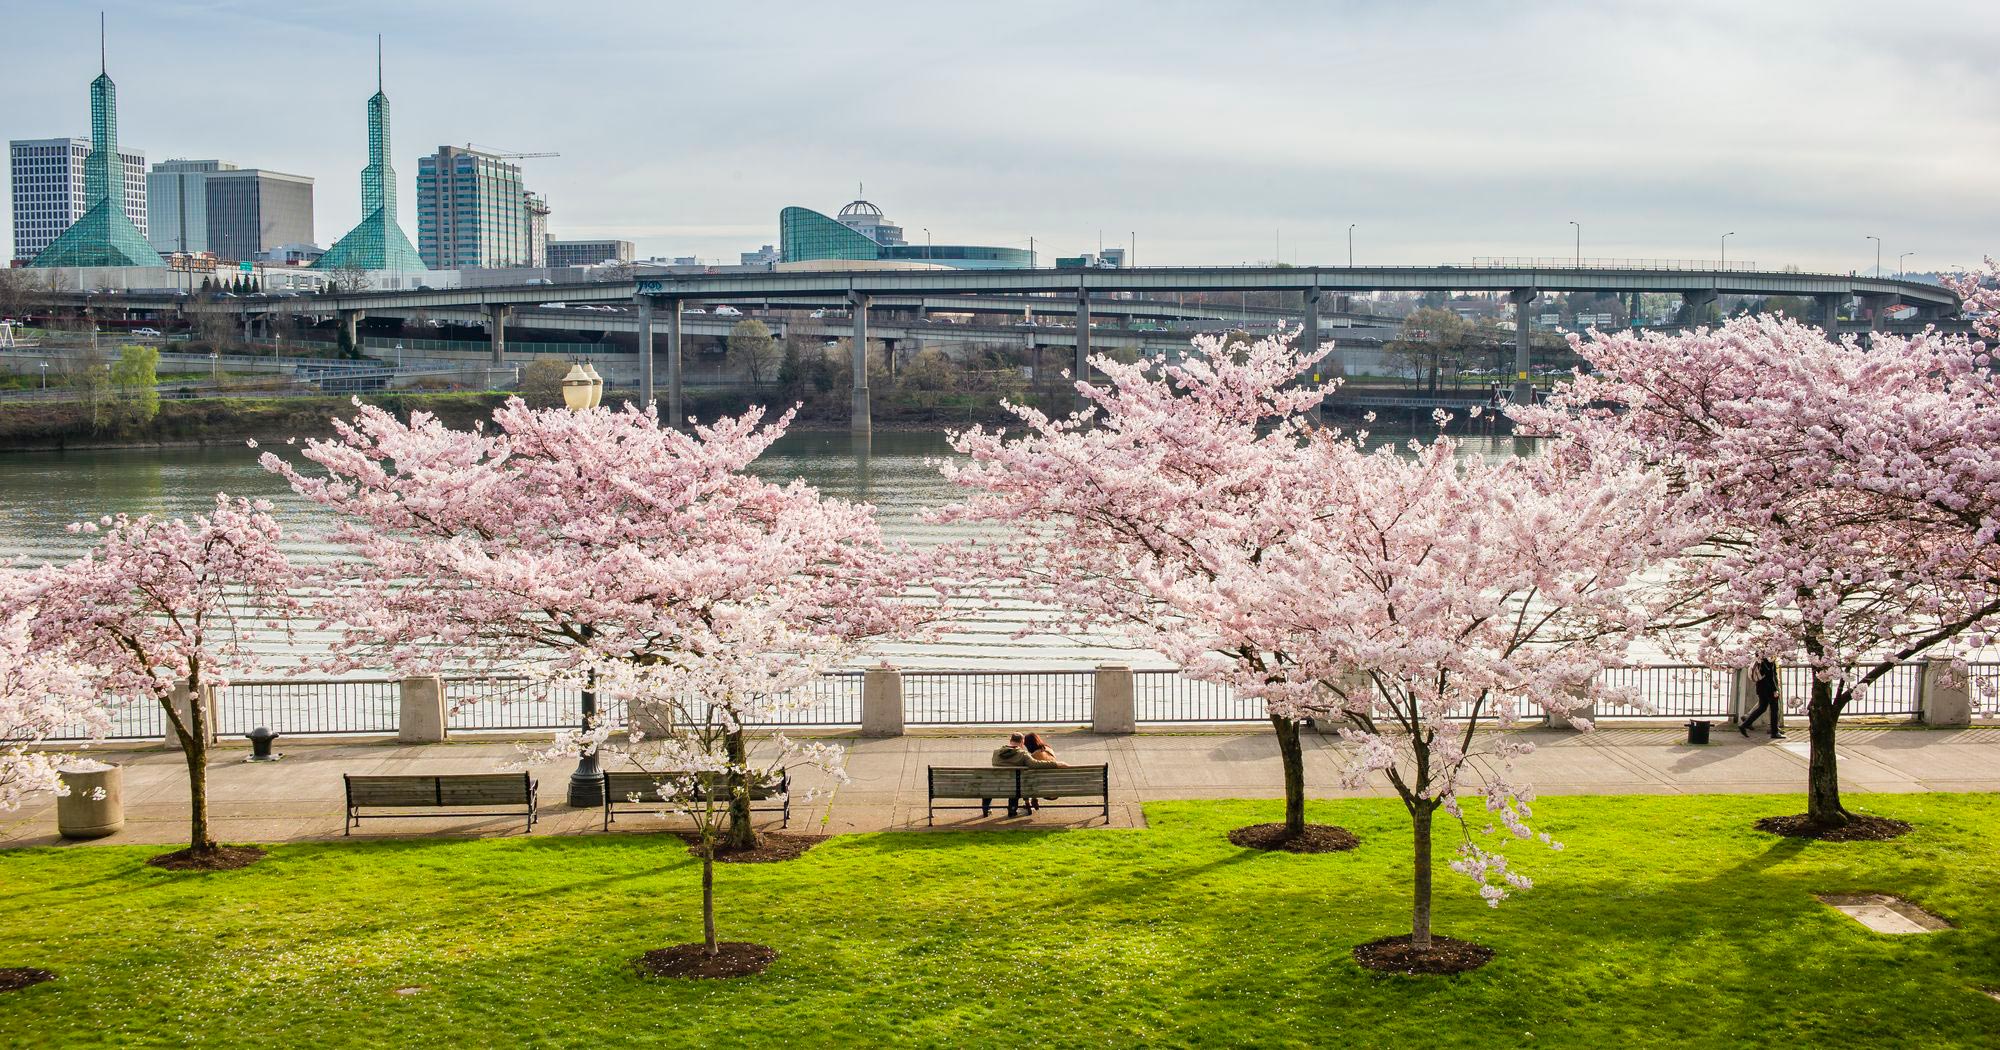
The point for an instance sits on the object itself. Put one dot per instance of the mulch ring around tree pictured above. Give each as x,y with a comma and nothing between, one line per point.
732,959
1857,828
771,847
221,858
1317,838
15,978
1442,955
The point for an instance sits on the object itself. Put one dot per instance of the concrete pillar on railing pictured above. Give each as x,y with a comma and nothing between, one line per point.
1742,693
1111,707
182,701
1587,712
882,702
1942,704
421,718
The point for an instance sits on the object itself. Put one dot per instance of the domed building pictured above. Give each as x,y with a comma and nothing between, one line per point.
861,233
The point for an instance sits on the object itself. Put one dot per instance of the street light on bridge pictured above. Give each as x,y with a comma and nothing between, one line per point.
1579,242
1878,252
1900,272
1725,249
1350,245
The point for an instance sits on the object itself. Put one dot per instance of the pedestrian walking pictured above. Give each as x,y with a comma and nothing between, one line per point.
1765,681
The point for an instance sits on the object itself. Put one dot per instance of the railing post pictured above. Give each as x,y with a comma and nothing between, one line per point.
1111,700
183,705
1743,693
1940,704
882,702
420,718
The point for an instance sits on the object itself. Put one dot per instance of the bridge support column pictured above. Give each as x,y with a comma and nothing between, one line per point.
862,420
1829,315
676,417
496,330
1878,310
350,330
645,347
1524,301
1696,307
1082,335
1633,313
1309,325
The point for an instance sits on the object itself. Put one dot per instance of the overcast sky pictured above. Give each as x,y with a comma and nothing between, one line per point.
1218,132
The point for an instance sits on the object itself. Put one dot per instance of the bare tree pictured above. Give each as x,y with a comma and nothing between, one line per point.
753,349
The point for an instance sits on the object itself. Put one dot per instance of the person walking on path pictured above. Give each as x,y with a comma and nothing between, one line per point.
1765,681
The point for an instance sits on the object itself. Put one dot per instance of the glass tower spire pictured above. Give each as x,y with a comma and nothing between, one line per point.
378,241
104,236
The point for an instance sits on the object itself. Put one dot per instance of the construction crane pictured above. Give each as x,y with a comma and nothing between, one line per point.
507,154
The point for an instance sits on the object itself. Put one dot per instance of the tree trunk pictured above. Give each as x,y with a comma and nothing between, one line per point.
708,899
742,834
1420,908
1295,774
1823,806
195,747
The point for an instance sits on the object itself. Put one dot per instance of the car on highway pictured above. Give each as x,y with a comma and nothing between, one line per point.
151,333
728,311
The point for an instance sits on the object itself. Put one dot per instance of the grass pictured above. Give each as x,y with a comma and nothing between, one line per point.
1666,922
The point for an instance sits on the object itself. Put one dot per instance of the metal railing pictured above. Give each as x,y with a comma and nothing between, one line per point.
1571,262
953,698
977,698
293,706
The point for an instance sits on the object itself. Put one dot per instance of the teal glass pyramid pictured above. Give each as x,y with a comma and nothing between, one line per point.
378,241
104,236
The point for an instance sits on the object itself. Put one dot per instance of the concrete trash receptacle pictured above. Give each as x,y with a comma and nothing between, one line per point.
95,805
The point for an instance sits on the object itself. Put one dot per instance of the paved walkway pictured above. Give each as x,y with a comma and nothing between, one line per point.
301,797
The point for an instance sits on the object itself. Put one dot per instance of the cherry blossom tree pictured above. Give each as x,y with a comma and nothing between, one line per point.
687,717
1410,597
557,540
1853,496
43,693
164,608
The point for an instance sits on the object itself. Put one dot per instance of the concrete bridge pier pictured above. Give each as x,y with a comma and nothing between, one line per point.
645,349
676,412
1309,325
496,330
350,328
1697,304
1878,310
1829,314
862,420
1524,302
1082,334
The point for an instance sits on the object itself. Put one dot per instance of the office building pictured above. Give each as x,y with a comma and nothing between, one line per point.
48,189
589,252
177,204
377,243
538,230
251,210
860,233
472,211
765,256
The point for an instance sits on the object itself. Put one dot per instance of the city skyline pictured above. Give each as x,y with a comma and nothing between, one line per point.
1445,132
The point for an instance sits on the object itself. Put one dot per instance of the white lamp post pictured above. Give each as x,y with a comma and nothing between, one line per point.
582,389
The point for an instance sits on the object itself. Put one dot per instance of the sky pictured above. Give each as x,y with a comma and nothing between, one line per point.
1196,133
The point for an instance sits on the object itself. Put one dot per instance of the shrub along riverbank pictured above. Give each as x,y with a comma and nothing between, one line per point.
1667,921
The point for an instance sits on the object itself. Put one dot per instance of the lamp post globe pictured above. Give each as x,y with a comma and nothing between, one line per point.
576,388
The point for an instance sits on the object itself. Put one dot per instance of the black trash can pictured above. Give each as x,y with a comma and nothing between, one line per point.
1698,731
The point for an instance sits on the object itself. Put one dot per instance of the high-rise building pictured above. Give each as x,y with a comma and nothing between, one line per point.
589,252
538,230
105,235
177,204
48,185
377,242
472,211
251,210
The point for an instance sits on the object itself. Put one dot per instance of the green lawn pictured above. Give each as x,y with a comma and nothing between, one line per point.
1666,922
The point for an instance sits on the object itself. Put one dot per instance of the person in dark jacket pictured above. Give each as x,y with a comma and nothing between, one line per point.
1765,681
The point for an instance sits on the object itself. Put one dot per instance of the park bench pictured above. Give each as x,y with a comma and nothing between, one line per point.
1019,785
637,789
440,795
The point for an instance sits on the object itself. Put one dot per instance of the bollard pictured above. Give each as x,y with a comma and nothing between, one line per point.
260,745
1111,701
882,702
421,719
1698,731
1939,704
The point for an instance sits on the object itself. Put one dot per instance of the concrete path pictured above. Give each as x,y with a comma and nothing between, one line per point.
301,797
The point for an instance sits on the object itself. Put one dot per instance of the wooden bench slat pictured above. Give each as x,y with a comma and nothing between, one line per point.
438,791
1018,784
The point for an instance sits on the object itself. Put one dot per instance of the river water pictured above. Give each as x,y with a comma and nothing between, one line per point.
42,492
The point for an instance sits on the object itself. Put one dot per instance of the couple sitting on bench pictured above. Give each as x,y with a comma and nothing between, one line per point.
1025,751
